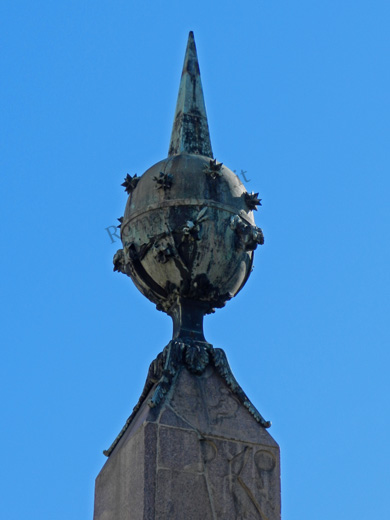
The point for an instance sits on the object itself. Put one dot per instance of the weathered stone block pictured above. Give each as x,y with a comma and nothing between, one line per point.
200,455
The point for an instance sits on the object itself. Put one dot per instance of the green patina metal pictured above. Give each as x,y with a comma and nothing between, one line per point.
188,236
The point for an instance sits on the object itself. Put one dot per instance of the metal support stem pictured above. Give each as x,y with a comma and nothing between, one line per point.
187,318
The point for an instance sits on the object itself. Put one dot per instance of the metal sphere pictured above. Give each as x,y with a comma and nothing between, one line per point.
188,232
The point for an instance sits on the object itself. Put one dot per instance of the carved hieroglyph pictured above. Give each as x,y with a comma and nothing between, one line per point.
232,479
199,455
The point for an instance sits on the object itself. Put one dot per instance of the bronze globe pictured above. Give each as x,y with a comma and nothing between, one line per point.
188,230
188,233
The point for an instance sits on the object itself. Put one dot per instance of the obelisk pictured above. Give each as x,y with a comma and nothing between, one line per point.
195,447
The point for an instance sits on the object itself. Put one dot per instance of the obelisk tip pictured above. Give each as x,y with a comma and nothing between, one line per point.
190,132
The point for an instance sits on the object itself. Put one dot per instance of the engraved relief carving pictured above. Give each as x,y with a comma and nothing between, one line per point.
225,408
242,480
245,504
265,463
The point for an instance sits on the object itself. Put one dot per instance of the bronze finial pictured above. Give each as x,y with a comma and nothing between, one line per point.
188,236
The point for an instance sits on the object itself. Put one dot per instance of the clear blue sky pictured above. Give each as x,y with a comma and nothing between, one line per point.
297,95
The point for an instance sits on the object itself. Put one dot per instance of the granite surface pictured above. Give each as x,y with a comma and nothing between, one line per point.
200,455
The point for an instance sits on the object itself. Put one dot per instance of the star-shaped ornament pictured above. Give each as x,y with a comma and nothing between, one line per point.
164,181
214,168
252,200
130,183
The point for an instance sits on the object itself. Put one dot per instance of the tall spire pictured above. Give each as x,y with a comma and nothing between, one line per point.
190,132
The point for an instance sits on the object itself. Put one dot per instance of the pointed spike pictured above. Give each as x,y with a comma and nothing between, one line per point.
190,132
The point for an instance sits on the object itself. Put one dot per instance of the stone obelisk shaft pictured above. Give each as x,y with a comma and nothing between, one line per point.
200,456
